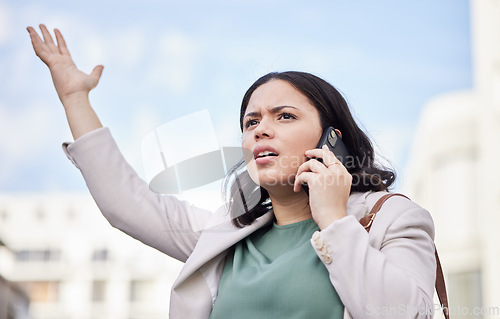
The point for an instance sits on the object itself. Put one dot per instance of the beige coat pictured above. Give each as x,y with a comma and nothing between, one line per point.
388,273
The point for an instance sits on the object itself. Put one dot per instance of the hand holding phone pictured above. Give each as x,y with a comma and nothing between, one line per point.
331,138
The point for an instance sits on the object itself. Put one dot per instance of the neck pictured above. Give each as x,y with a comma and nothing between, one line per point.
290,207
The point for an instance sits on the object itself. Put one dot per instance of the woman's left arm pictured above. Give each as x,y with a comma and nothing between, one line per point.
389,273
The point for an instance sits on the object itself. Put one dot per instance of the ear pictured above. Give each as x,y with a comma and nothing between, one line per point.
339,132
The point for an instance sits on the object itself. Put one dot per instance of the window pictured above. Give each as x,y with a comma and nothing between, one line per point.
4,215
41,291
100,255
71,213
38,255
40,214
141,290
99,291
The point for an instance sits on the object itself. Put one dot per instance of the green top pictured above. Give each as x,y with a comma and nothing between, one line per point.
275,273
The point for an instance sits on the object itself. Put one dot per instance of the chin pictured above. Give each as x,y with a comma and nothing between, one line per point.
276,181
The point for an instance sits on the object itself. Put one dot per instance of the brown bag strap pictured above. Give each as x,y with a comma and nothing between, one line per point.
367,222
441,286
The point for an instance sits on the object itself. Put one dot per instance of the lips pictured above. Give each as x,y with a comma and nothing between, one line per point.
264,151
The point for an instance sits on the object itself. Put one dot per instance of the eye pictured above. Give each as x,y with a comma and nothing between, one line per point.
250,122
287,116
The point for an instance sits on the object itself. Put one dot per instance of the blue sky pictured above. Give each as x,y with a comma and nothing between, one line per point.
166,59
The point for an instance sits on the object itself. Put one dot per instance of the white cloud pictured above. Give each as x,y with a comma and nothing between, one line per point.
5,14
262,54
66,21
25,135
125,48
94,52
130,46
175,62
20,68
24,132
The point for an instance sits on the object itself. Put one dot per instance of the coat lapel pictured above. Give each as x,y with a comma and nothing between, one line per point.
221,234
217,238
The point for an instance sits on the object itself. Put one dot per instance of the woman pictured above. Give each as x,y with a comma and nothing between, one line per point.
282,252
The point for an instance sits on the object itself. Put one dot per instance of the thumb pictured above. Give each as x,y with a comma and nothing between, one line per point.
96,72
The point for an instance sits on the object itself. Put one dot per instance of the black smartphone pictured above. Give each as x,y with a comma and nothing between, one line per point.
334,142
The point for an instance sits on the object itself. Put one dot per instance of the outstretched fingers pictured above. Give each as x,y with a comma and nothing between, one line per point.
61,44
45,48
46,35
38,44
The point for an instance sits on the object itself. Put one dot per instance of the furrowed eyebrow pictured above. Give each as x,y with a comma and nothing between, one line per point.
275,109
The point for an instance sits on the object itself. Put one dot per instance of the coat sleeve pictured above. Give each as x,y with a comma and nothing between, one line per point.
160,221
389,273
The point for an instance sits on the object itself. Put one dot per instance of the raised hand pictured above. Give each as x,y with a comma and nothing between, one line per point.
68,80
72,85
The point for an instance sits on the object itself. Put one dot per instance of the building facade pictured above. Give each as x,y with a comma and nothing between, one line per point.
74,265
453,174
14,303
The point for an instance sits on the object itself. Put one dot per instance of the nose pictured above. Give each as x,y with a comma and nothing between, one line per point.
263,130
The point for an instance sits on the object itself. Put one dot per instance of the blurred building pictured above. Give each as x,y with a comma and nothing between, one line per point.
14,303
453,173
73,265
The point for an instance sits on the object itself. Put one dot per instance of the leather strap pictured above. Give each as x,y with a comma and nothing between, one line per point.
367,222
441,286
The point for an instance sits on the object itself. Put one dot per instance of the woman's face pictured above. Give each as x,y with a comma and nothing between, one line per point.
279,125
